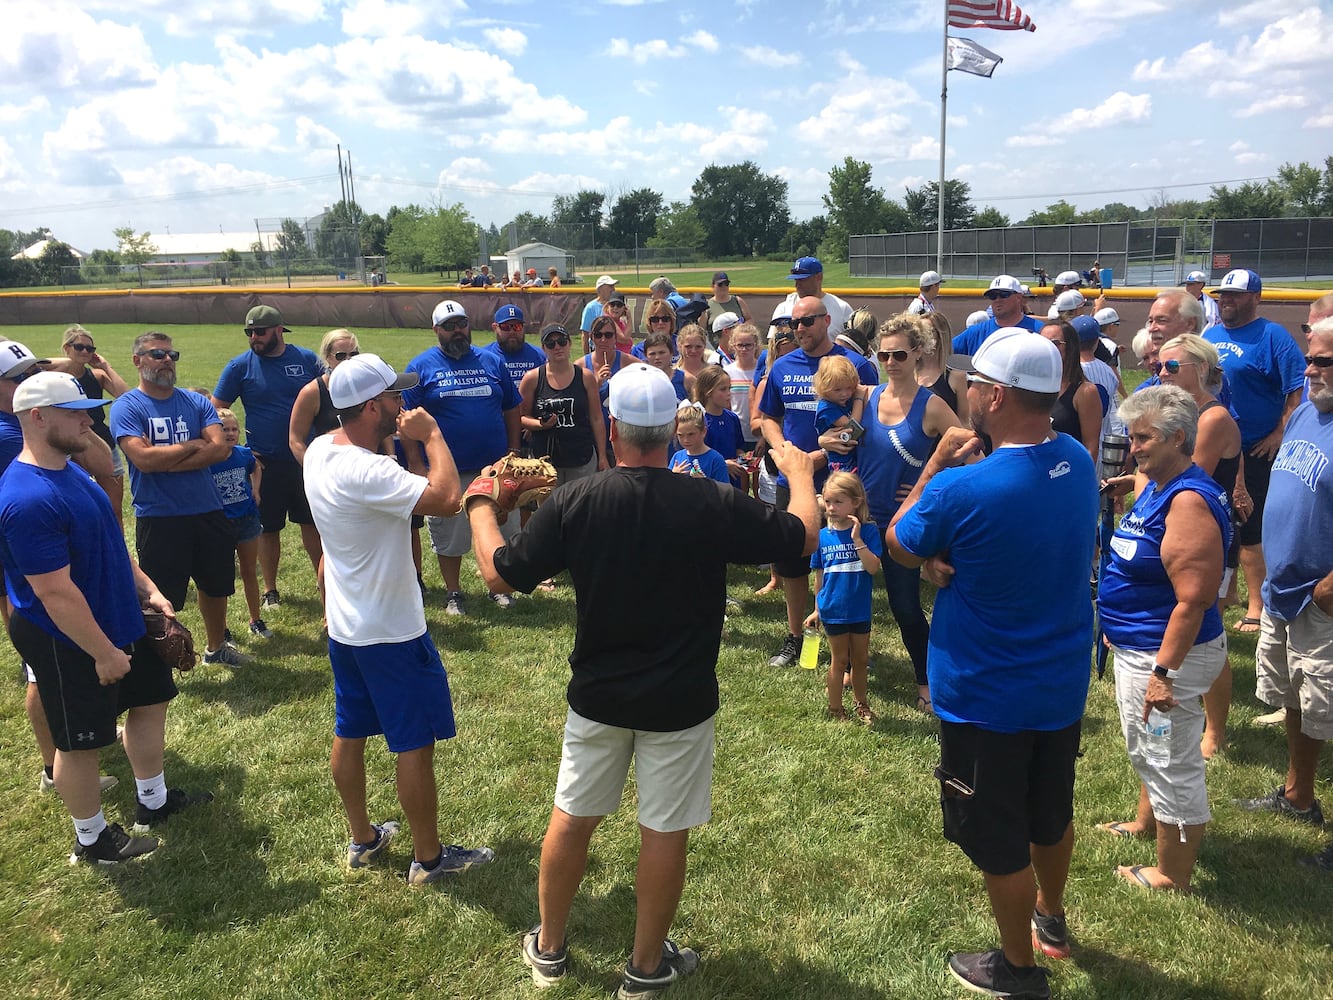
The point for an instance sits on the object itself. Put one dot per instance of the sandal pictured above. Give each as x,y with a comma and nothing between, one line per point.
838,714
1247,625
547,586
924,704
1117,829
864,714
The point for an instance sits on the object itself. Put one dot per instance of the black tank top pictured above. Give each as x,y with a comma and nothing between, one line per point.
326,418
944,390
570,442
93,390
1064,418
1224,473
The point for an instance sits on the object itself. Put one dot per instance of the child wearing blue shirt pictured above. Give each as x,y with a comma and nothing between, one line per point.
237,478
836,386
695,458
845,565
722,428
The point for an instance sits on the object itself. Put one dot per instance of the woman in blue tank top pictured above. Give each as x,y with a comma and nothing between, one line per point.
1158,608
903,420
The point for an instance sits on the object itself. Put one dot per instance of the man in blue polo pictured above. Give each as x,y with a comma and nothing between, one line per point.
787,413
473,399
267,379
1266,374
511,346
1005,295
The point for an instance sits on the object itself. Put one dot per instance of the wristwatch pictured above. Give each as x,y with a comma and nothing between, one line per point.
1161,671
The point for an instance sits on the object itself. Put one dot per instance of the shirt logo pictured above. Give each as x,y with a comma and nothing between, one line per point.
1062,469
294,371
1302,459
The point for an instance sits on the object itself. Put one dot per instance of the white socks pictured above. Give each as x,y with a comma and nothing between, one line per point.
152,791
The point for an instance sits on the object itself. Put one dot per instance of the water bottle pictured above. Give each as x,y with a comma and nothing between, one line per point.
1157,738
810,649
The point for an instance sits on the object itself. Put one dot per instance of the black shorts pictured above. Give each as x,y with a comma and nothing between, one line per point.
1257,472
282,495
846,628
796,567
173,550
1022,788
80,710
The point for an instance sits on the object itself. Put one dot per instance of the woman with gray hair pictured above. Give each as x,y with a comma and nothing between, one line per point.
1158,607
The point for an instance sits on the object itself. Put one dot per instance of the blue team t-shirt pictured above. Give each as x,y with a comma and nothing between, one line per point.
1011,635
180,417
468,399
1299,513
590,312
970,340
1262,364
709,465
723,433
268,387
847,589
11,439
232,478
520,362
50,519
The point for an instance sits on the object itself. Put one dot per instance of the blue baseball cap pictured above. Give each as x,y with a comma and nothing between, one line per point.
1087,328
806,267
1240,280
508,314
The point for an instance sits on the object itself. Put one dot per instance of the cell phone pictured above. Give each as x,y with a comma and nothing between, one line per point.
953,785
855,429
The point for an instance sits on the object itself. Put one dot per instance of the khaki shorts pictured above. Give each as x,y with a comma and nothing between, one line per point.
673,771
1294,663
452,536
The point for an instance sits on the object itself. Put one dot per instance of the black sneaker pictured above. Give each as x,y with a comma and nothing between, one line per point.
677,963
1324,859
1278,802
1050,935
989,973
271,599
112,847
788,653
176,801
548,967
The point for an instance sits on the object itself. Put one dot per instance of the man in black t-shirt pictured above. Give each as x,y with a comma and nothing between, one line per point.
642,689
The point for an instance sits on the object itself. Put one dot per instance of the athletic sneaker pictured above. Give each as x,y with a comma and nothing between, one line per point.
176,801
548,967
453,604
453,859
788,653
1279,803
112,846
990,973
502,600
677,963
105,783
228,655
360,855
271,599
1050,935
257,627
1324,859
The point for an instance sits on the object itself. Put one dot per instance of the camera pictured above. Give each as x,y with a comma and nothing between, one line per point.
542,409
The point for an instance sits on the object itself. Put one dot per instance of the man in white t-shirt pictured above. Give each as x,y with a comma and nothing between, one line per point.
808,273
924,303
387,674
1193,283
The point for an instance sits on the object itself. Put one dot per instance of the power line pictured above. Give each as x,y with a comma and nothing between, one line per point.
192,195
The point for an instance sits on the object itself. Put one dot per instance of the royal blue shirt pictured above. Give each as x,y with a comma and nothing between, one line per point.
180,417
520,362
847,589
468,399
1262,364
11,439
970,340
709,465
723,433
892,455
232,478
1298,514
267,388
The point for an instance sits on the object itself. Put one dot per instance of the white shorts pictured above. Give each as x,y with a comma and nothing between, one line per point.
673,771
1294,663
1177,792
452,536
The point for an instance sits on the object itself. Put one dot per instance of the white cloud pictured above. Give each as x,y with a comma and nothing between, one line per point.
510,41
644,52
766,56
866,119
10,113
645,87
387,19
60,47
1278,102
701,40
11,166
236,16
1322,120
1122,10
1197,63
1032,141
1118,109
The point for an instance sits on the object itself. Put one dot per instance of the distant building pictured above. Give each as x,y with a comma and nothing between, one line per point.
204,248
35,251
539,256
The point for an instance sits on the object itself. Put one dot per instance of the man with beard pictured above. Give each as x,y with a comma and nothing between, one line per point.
473,399
170,437
77,620
387,674
510,346
1005,295
267,379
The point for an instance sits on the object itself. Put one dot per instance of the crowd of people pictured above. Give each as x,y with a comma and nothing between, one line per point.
828,442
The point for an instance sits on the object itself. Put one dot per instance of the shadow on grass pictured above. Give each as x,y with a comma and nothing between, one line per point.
1258,879
1116,977
255,689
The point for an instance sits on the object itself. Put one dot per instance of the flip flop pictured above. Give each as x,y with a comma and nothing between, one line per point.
1133,874
1116,829
1247,625
924,705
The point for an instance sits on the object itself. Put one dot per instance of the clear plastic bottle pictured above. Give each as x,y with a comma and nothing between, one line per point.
810,649
1157,738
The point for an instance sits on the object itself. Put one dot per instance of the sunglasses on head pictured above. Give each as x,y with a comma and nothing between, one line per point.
784,321
344,355
83,348
807,321
899,356
158,354
1319,360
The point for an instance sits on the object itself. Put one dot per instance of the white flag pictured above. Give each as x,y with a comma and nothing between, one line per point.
969,57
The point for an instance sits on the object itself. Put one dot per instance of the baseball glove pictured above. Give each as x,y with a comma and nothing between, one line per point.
171,640
512,482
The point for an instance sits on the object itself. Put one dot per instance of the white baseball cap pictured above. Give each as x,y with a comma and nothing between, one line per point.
1069,299
447,310
1015,357
1195,278
1107,317
606,279
15,357
929,278
725,322
1004,283
365,377
640,395
53,389
980,316
1069,278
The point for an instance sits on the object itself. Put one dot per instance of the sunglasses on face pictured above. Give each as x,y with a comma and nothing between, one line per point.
157,354
998,295
898,356
453,324
975,379
1319,360
83,348
256,331
659,319
603,334
559,340
344,355
511,327
1173,367
807,321
782,324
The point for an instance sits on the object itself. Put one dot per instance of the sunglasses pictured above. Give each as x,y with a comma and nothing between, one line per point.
157,354
783,338
975,379
511,327
807,321
603,334
559,340
1172,367
23,376
886,356
83,348
659,319
1319,360
783,322
344,355
453,324
258,331
999,295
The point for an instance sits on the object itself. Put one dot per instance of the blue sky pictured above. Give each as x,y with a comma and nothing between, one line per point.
190,117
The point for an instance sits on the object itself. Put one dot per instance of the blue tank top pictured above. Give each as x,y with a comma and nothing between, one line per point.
892,456
1136,598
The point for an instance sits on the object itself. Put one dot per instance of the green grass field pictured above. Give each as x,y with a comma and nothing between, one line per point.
823,873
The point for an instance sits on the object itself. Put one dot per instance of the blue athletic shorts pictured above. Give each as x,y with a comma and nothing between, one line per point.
399,689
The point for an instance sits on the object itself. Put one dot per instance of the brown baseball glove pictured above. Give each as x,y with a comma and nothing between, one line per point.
512,482
171,640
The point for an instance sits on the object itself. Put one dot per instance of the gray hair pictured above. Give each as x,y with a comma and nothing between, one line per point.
661,284
142,341
1167,409
1141,342
1325,325
1187,306
646,438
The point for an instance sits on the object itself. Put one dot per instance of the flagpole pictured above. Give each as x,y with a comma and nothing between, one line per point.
944,104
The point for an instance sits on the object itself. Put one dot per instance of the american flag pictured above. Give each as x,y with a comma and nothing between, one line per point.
1000,14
